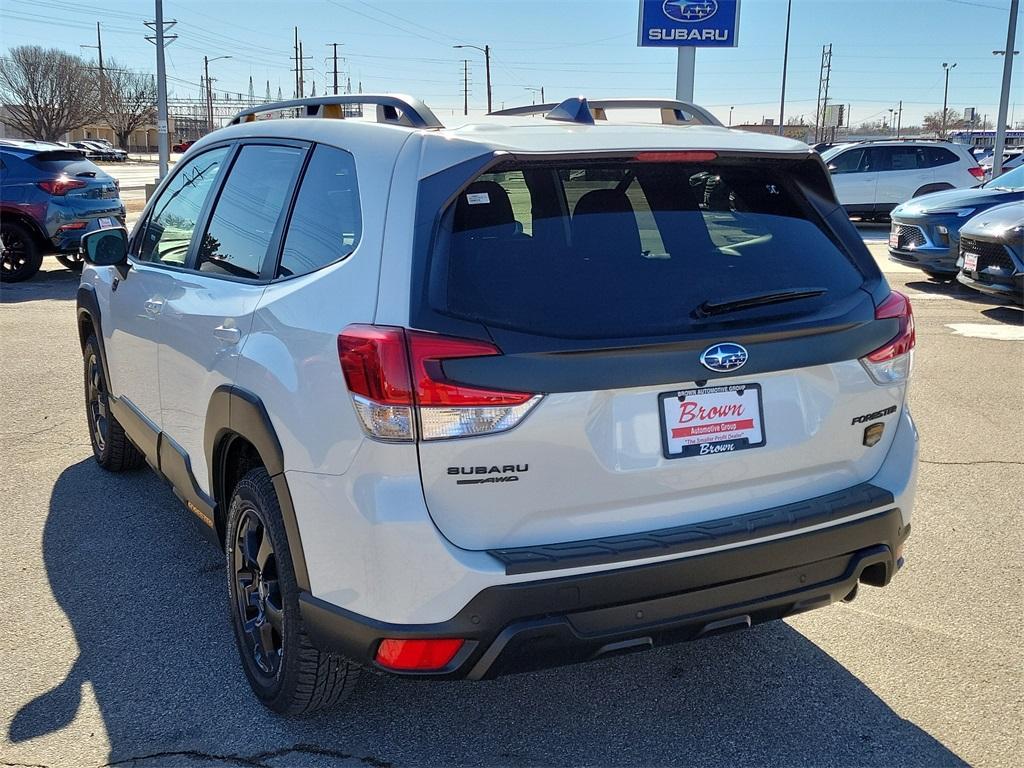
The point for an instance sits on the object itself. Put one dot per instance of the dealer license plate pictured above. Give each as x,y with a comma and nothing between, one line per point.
971,262
894,238
711,420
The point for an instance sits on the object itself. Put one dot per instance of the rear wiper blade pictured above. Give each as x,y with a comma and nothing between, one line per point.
708,309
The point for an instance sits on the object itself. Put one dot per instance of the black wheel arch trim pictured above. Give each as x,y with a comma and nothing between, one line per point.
234,412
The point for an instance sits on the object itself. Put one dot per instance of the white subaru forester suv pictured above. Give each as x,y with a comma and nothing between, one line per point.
530,391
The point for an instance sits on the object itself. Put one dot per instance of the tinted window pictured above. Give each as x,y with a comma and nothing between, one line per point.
325,224
247,211
173,217
623,249
902,159
939,156
847,162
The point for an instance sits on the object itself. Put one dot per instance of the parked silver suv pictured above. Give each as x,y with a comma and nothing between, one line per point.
547,387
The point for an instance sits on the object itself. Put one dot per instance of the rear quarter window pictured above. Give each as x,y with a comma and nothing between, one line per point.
624,249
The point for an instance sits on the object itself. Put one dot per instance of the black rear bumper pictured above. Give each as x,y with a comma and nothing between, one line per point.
537,624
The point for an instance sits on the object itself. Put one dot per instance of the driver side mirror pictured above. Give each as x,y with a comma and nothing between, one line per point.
106,247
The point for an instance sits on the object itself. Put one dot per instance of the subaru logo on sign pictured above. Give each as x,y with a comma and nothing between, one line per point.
690,10
724,357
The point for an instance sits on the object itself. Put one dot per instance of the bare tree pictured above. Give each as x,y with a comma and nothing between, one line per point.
47,92
933,121
130,100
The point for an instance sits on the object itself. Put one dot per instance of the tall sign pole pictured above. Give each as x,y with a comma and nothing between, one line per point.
1004,96
686,72
687,26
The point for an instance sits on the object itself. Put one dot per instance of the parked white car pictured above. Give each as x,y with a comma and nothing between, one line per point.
873,177
541,389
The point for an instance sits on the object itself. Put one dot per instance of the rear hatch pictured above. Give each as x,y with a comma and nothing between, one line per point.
89,190
685,333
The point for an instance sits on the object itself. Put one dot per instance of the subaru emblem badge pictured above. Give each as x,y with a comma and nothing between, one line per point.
724,357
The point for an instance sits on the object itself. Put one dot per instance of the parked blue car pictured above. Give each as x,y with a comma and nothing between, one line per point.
926,230
50,196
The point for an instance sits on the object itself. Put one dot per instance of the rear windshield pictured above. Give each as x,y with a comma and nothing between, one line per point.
621,249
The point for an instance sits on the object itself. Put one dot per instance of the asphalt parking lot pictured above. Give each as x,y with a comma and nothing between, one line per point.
116,648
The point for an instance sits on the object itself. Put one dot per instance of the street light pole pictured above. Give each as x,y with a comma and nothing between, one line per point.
209,90
945,95
1004,96
785,66
486,51
730,115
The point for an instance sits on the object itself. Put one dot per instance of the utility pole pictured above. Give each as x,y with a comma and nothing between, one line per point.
161,40
465,86
295,56
945,95
335,46
302,73
1004,96
785,66
99,49
825,74
899,119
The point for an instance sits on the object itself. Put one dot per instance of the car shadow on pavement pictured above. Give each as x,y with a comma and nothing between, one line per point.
144,594
54,282
954,289
1008,315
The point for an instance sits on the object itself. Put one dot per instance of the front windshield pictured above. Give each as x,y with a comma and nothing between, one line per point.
1011,180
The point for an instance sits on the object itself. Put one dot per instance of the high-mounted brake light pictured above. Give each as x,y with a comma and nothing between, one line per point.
60,186
421,655
977,172
395,376
686,156
892,363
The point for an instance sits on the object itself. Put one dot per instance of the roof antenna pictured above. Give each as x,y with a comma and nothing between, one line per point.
574,110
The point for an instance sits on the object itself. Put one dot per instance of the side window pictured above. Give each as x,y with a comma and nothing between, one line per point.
939,156
904,159
326,222
248,209
847,162
173,216
877,159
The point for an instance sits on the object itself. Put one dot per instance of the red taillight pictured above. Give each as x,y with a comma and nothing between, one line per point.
892,363
689,156
418,654
428,350
60,186
977,172
375,363
896,306
390,400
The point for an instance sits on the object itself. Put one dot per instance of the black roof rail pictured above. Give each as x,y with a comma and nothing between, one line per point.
392,108
582,110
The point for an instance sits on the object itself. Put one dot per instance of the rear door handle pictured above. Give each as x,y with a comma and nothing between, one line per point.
153,306
227,334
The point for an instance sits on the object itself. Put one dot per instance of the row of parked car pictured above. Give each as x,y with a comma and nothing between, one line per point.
101,150
946,220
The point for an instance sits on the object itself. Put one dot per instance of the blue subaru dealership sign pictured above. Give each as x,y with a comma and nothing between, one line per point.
691,23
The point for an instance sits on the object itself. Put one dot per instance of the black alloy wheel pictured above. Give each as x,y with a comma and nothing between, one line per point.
258,602
22,256
96,402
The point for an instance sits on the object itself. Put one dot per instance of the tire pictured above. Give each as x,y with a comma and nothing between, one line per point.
285,671
110,445
22,256
72,261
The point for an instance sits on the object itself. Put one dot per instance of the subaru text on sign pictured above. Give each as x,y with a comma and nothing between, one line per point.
691,23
